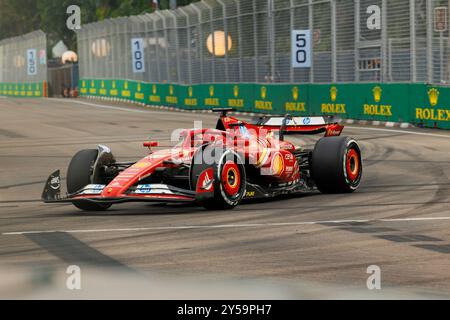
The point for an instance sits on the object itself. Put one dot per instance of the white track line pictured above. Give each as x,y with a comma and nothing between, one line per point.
225,226
402,131
102,106
148,110
108,107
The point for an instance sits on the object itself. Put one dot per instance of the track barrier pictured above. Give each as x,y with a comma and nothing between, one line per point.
417,104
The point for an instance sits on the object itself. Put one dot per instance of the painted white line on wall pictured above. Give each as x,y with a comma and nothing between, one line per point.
226,226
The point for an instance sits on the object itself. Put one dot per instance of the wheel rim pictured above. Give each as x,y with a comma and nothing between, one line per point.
353,165
231,178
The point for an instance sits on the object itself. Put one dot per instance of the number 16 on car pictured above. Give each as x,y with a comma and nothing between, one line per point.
301,48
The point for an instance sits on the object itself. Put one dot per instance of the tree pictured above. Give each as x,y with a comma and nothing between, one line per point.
19,17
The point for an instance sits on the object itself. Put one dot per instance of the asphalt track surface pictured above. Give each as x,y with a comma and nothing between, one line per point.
398,220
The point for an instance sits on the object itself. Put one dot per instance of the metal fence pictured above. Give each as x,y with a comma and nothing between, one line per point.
353,41
24,59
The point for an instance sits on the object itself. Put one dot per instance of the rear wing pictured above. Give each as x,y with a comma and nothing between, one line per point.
301,125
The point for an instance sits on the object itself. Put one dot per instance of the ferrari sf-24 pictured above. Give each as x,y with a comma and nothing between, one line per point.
217,168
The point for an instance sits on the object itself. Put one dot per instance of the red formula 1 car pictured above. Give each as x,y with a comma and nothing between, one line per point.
217,168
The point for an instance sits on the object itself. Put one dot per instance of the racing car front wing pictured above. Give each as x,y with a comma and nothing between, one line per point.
92,193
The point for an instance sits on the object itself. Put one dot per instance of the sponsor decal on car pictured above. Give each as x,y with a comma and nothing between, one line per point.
244,132
153,189
250,194
206,182
93,189
142,165
144,189
55,183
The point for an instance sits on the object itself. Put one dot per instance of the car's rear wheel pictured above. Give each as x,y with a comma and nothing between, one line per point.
337,165
229,176
80,174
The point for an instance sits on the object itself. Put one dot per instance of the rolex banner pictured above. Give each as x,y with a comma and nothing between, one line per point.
430,106
22,90
413,103
379,102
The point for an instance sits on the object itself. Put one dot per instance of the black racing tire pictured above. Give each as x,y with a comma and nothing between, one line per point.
226,159
79,175
336,165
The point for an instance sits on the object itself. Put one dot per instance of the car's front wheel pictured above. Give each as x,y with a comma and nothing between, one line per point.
229,176
80,174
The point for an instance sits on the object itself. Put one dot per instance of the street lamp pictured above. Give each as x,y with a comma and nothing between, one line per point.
218,44
69,56
100,48
19,61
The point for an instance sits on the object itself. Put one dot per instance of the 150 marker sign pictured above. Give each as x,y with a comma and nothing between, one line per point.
31,62
301,49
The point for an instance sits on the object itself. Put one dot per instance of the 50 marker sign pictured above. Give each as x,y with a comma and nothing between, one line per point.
137,51
301,48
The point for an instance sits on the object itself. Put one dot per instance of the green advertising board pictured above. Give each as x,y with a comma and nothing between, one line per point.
414,103
189,97
294,100
267,99
381,102
430,106
155,94
212,96
240,96
22,90
331,100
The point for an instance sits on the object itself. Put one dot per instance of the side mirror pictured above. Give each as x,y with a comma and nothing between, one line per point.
150,145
